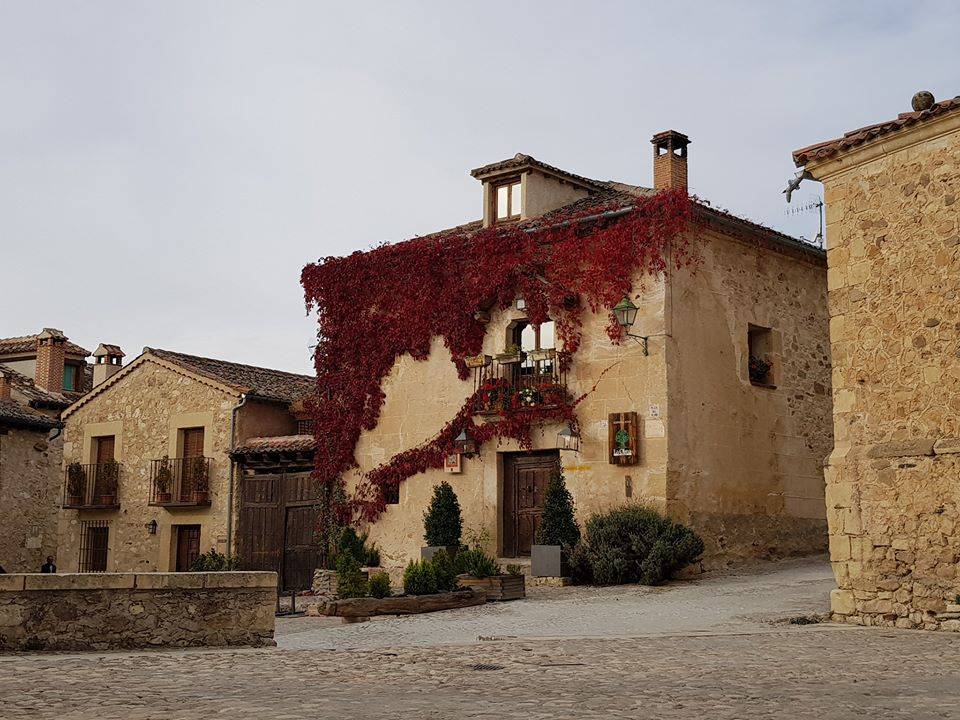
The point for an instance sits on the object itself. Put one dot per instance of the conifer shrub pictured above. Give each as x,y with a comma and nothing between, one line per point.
380,585
420,578
558,526
476,563
350,580
633,544
442,522
356,544
445,571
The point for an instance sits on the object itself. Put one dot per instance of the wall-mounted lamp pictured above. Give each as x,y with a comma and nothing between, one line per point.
464,444
626,313
151,527
568,439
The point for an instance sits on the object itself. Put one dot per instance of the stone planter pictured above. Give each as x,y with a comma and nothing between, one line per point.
497,587
548,561
403,605
427,553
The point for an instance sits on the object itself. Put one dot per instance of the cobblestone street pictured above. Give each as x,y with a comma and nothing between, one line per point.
713,648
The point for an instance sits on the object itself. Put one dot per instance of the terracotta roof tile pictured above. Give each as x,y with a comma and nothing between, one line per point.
280,443
257,381
13,414
28,344
857,137
37,397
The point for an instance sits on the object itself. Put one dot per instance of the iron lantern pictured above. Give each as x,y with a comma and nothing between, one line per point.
568,439
625,312
464,443
151,527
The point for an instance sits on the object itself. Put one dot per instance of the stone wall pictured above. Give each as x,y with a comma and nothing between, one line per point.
893,479
103,611
30,483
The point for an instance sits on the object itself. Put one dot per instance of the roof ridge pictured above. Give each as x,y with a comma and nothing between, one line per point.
229,362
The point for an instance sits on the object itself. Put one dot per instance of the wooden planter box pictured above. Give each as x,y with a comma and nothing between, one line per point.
476,361
497,587
403,604
511,358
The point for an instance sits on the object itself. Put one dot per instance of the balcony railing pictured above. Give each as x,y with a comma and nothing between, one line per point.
180,482
536,379
92,487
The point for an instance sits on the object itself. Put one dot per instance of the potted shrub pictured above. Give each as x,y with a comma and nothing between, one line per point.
558,532
478,571
108,474
76,484
201,480
162,479
442,522
511,354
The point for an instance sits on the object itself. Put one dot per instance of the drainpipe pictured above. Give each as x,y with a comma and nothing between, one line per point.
233,445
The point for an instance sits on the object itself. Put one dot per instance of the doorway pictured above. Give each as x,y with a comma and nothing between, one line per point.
188,546
525,480
300,552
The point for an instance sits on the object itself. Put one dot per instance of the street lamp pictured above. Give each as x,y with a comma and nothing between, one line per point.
626,313
568,439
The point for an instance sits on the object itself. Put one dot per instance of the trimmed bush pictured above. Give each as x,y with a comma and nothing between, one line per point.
633,544
214,561
350,581
558,526
445,571
356,545
380,585
476,562
442,522
420,578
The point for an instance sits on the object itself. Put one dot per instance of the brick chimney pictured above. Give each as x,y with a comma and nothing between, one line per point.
51,353
670,160
107,362
4,387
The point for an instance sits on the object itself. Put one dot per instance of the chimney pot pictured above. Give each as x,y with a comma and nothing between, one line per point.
51,354
108,360
670,160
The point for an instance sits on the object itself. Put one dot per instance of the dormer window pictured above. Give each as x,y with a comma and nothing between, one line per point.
507,199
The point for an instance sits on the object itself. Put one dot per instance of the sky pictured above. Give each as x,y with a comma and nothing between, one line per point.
167,168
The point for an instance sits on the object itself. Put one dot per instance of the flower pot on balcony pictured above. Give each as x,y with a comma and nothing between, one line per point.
477,361
74,500
541,355
164,497
201,497
108,499
511,358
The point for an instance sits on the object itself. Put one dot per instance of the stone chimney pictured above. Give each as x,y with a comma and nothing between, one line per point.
670,160
107,362
51,353
4,387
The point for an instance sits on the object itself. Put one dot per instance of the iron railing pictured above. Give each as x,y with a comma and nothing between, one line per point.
183,481
526,380
94,486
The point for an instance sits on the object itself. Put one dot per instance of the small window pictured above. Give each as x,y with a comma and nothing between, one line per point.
305,427
391,495
94,541
508,203
760,352
69,378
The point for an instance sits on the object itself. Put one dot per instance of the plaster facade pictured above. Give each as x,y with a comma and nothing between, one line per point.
893,497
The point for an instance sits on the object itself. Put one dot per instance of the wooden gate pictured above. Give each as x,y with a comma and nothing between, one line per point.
525,479
276,526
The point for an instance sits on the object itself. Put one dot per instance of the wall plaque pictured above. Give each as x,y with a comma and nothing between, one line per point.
622,438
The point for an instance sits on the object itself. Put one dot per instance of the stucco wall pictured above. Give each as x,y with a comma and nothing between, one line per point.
144,410
29,495
124,610
746,461
893,480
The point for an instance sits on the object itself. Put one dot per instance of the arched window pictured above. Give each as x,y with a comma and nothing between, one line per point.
530,338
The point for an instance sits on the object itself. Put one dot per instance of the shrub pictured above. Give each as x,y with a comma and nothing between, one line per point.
557,524
514,570
380,585
76,480
633,544
476,562
213,561
445,571
351,543
420,578
442,522
350,581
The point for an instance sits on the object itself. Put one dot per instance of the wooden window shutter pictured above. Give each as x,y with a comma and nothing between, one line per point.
622,438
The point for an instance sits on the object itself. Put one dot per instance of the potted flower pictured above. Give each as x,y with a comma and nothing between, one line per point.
557,533
162,479
201,481
477,361
492,395
511,354
108,474
759,370
76,484
442,523
542,355
529,397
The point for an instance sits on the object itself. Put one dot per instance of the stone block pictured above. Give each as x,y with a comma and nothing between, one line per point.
167,581
80,581
950,625
241,579
11,583
839,548
947,446
842,602
902,448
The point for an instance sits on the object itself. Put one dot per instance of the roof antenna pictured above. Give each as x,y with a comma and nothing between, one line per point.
815,203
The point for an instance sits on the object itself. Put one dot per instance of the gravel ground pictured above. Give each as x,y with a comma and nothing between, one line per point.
747,601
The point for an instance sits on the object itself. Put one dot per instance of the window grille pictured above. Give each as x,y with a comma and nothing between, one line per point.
94,541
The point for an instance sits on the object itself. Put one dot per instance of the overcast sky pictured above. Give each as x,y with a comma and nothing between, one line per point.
167,168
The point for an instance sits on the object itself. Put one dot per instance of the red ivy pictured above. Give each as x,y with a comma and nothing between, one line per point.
374,307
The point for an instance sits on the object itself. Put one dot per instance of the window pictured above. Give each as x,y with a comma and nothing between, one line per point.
304,427
760,355
531,338
70,377
94,541
507,200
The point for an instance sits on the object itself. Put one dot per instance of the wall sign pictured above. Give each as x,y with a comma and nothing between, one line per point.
622,438
453,463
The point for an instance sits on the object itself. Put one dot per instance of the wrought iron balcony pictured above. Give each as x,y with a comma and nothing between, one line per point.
519,381
180,482
92,487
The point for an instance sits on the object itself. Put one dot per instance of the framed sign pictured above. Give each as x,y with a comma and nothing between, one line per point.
453,463
622,438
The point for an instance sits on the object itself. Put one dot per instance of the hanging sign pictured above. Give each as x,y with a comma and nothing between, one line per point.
622,438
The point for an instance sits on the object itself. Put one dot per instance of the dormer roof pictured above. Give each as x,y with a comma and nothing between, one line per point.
520,162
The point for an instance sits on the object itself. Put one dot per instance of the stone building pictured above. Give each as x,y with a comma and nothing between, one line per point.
736,453
892,192
150,483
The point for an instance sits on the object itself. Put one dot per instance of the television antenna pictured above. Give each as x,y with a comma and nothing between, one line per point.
815,203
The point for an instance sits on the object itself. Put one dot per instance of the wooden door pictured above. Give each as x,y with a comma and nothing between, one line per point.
525,480
105,447
188,546
300,552
192,457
